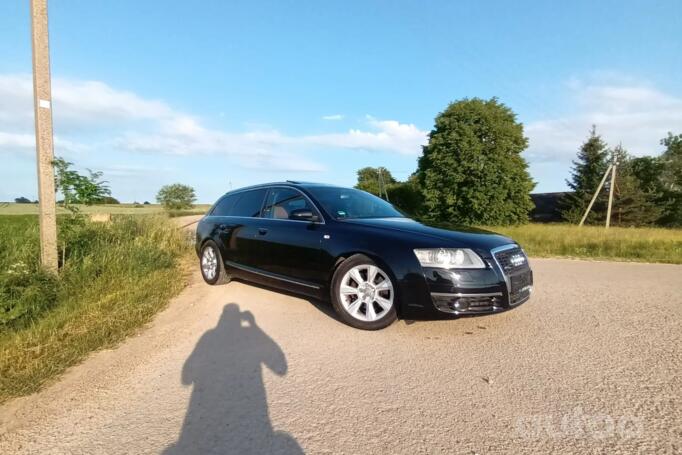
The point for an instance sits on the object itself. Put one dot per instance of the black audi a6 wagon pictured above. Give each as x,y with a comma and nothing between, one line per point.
359,251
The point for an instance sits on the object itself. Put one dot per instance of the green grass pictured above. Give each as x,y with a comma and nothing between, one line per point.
595,242
114,209
115,277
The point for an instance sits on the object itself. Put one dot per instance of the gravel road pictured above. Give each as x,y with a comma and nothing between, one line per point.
592,363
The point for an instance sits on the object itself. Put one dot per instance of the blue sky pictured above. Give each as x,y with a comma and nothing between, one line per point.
221,94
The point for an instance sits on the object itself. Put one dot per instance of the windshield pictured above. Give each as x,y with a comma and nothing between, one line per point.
346,203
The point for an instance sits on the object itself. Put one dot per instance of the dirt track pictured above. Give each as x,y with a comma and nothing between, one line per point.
591,363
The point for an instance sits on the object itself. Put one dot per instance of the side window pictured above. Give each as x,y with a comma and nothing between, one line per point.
225,205
282,201
249,203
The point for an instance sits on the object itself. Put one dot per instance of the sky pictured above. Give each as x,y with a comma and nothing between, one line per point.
224,94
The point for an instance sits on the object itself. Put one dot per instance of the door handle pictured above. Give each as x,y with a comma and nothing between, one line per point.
262,231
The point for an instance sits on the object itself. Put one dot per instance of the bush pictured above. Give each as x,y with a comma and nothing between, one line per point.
109,200
407,196
113,278
25,294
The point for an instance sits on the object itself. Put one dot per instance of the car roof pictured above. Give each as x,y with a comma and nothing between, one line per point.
292,183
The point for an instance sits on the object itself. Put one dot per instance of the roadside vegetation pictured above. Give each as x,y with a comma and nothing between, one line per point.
113,278
595,242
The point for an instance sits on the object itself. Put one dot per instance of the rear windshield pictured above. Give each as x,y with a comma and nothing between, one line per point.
347,203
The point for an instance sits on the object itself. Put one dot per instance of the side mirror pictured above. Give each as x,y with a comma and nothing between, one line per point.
303,215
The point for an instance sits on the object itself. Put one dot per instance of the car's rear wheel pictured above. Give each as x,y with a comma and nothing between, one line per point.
211,264
363,294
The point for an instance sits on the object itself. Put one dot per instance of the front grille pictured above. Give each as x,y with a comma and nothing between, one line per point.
518,275
512,260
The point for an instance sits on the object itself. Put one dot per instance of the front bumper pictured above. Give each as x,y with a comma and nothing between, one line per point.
498,287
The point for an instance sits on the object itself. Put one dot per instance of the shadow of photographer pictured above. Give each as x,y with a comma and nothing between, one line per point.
228,409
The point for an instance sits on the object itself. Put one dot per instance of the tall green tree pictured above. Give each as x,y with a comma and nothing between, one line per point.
472,171
176,196
588,170
370,179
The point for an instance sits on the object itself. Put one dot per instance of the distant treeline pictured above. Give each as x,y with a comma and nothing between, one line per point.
472,171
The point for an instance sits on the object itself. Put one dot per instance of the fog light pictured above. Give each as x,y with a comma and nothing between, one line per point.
461,304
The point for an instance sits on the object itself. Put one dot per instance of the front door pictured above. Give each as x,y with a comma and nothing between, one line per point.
289,247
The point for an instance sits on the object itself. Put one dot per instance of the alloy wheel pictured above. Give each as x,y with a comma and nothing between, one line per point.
209,263
366,292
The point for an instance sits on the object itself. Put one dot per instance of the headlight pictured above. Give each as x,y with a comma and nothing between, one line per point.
449,258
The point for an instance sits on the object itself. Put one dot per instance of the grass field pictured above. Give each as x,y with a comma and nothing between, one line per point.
115,277
595,242
115,209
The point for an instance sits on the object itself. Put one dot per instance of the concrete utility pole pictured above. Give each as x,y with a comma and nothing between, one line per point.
42,101
594,197
611,186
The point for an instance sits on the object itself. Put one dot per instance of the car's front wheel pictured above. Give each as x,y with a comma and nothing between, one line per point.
363,294
211,264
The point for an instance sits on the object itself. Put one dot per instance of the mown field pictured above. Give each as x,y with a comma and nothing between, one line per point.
595,242
114,277
114,209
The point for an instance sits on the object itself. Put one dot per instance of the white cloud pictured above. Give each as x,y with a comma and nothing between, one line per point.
20,141
131,122
25,143
333,117
625,111
384,135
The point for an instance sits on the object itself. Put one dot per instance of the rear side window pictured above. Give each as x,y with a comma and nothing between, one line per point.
225,205
282,201
249,203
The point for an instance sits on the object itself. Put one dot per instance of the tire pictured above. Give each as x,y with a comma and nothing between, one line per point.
364,295
211,264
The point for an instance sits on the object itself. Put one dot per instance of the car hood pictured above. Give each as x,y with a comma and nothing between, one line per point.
452,235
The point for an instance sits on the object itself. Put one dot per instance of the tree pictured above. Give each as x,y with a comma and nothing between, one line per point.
586,174
407,196
373,179
77,188
176,196
22,200
671,179
472,171
633,205
672,158
648,170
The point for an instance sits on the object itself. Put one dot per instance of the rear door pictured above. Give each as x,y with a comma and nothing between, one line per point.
235,225
290,247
